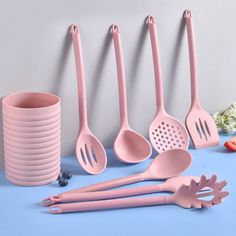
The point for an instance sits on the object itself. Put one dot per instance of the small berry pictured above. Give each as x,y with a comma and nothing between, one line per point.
59,176
66,175
62,182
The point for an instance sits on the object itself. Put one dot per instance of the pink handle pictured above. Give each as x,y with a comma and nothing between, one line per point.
109,194
192,57
108,204
121,74
80,76
156,62
100,186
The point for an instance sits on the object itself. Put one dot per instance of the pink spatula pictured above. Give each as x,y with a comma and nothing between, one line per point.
186,196
200,125
165,132
89,150
129,146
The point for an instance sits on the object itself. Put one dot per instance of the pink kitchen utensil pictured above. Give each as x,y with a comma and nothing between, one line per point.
165,132
166,165
186,196
32,137
89,150
129,146
170,185
31,106
200,125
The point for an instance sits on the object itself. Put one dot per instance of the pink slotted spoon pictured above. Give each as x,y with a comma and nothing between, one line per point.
165,132
89,150
200,125
129,146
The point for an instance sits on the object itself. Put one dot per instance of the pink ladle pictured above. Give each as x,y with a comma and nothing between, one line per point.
129,146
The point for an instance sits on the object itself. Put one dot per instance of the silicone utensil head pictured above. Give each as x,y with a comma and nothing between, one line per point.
201,128
174,183
131,147
169,164
167,133
190,196
91,153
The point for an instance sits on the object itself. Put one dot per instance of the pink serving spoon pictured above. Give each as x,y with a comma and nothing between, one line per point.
186,196
165,132
170,185
89,150
166,165
129,146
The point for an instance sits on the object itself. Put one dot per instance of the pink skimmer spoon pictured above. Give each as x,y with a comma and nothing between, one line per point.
165,132
166,165
186,196
129,146
200,125
170,185
89,150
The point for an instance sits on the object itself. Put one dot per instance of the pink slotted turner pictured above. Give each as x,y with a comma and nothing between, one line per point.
89,150
200,125
165,132
186,196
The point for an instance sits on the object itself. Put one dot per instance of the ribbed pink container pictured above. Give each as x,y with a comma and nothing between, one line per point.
32,138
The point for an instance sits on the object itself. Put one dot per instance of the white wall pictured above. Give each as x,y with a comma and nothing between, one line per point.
36,55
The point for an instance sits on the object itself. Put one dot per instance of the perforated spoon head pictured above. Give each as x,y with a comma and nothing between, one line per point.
188,196
167,133
131,147
169,164
91,153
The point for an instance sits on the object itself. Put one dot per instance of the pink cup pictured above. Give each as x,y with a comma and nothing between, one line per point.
32,123
34,146
30,184
31,136
30,167
33,173
32,129
32,140
31,106
32,181
31,158
29,162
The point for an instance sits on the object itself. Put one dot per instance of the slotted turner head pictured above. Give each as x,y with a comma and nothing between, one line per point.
91,154
201,128
165,132
200,125
190,196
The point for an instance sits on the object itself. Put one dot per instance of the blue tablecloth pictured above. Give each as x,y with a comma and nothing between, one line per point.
21,214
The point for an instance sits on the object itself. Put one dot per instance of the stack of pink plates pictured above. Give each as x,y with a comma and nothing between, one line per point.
31,131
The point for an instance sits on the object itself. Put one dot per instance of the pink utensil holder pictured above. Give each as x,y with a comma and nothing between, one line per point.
31,137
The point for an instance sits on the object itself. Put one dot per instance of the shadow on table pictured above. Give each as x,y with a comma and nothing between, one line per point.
71,164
